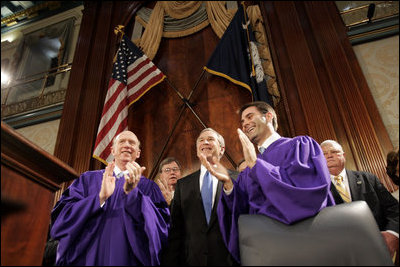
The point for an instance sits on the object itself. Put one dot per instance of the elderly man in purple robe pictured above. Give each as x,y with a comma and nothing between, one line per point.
114,216
288,181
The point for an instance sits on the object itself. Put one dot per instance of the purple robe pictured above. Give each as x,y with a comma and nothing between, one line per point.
128,230
289,182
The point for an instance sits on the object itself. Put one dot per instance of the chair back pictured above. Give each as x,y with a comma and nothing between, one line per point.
345,234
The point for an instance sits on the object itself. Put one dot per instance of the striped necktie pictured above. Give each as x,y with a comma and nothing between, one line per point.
341,188
206,195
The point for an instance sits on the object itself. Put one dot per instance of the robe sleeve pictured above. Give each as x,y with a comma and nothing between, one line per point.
75,211
149,212
229,209
297,186
79,222
296,189
173,255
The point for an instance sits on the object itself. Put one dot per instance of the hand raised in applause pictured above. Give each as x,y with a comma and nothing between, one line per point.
249,152
107,184
133,177
217,170
166,190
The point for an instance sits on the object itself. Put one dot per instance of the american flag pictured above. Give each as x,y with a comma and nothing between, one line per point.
133,75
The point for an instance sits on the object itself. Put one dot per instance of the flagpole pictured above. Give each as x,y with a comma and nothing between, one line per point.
186,104
176,122
248,39
186,101
154,171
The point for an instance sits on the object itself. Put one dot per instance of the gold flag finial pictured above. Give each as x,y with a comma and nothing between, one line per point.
119,29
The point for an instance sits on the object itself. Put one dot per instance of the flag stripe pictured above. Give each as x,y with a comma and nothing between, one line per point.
117,129
116,88
136,81
115,107
133,75
153,82
111,106
121,112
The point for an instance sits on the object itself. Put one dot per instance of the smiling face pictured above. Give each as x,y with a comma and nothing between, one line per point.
256,125
207,143
125,149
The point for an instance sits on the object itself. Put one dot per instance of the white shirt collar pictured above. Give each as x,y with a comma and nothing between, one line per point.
342,173
273,137
117,171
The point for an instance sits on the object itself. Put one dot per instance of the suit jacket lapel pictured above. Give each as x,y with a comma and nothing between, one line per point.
354,184
335,194
216,200
214,217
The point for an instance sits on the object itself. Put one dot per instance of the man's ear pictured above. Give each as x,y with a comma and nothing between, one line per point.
269,116
112,151
222,151
138,154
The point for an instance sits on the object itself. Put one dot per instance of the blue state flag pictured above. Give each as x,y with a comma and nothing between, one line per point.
236,58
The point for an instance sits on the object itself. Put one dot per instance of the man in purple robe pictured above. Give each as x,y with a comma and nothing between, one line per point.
114,216
288,181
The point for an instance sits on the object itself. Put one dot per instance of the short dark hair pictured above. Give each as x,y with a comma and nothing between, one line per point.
392,160
262,107
168,161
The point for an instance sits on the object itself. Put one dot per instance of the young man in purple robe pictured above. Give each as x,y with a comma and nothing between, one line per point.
112,217
288,181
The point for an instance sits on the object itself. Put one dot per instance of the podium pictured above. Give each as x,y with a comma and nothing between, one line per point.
30,177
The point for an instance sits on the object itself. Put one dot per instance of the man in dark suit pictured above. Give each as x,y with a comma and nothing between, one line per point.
356,185
194,237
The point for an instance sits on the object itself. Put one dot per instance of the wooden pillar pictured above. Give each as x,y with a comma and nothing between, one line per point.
325,94
87,88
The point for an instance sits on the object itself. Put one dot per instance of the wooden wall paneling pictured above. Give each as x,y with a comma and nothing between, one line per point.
363,85
319,79
284,73
302,48
68,126
90,74
215,102
308,87
94,84
372,110
29,179
365,144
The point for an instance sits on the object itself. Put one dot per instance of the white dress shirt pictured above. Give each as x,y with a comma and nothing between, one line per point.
275,136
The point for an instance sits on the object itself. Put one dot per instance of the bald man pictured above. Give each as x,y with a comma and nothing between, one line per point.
112,217
356,185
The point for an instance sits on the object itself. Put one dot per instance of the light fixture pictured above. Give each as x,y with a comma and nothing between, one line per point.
5,78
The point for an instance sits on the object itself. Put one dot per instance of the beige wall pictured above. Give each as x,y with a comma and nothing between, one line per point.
379,61
44,134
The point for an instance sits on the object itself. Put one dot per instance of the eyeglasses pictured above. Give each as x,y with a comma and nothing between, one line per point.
168,170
